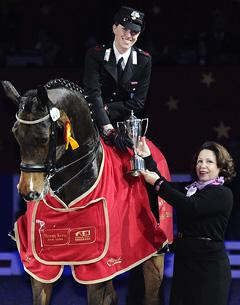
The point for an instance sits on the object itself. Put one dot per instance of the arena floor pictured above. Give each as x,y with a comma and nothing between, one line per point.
15,290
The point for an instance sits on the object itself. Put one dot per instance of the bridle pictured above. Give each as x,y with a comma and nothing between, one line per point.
49,166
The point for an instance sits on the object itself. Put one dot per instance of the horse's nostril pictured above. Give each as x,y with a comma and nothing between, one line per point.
32,196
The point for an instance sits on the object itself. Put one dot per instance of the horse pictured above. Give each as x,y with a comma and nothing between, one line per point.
81,209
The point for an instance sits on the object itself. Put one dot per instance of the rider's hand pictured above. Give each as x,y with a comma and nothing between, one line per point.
117,138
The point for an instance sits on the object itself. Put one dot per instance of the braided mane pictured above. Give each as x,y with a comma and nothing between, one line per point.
61,82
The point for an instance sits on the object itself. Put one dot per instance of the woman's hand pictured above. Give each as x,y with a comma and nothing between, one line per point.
143,149
150,177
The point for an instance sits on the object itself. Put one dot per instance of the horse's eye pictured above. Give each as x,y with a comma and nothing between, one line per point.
43,141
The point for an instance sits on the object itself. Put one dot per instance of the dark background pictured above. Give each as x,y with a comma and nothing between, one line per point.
190,42
41,40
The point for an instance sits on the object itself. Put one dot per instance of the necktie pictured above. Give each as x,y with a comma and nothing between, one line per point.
119,68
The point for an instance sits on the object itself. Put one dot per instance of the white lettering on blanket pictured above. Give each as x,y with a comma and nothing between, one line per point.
114,261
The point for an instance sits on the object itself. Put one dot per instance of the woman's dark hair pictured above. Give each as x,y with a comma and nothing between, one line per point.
224,160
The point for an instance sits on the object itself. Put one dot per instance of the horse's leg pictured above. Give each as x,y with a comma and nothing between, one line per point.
102,294
153,276
41,292
136,287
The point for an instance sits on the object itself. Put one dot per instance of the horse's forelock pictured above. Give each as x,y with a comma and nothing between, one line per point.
30,93
30,103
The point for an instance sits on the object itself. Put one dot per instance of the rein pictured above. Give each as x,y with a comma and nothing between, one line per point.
92,153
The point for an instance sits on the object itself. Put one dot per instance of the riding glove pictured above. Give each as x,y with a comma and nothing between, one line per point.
117,138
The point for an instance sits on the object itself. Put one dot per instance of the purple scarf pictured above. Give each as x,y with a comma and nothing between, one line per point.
199,185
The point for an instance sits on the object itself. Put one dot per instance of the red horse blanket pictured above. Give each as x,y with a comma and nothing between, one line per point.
105,232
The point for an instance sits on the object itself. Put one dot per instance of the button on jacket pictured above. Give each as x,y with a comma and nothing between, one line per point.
114,99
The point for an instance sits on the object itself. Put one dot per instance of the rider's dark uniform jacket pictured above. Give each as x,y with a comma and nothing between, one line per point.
112,99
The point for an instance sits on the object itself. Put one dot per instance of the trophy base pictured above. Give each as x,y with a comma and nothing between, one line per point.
134,173
137,165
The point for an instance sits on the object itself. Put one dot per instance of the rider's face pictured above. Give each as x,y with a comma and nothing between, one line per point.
124,38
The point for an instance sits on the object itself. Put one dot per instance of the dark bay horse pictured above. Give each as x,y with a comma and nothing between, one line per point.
80,208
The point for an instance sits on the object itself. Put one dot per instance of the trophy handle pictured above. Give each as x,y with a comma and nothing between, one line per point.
119,124
146,126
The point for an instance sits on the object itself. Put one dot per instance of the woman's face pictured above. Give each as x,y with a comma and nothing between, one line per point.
124,38
206,166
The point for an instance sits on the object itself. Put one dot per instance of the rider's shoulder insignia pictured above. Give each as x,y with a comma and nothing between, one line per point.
99,48
144,52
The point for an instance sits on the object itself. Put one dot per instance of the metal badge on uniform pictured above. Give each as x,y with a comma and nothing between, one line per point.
107,54
135,15
134,57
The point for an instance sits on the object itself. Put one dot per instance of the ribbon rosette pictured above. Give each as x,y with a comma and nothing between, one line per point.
68,137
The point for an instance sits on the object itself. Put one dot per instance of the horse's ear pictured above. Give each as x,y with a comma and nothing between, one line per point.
10,91
42,95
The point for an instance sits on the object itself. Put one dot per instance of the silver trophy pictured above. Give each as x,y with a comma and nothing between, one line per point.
133,127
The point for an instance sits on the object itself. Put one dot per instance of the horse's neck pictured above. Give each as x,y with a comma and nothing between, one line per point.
76,180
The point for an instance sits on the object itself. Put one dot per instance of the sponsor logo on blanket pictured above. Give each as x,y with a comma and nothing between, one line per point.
56,237
87,234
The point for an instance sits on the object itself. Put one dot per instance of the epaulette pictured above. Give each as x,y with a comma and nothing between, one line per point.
143,52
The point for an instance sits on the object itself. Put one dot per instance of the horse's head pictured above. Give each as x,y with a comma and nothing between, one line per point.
47,132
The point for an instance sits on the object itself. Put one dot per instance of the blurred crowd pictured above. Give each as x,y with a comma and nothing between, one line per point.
57,33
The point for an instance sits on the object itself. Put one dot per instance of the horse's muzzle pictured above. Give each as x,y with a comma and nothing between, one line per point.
31,196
